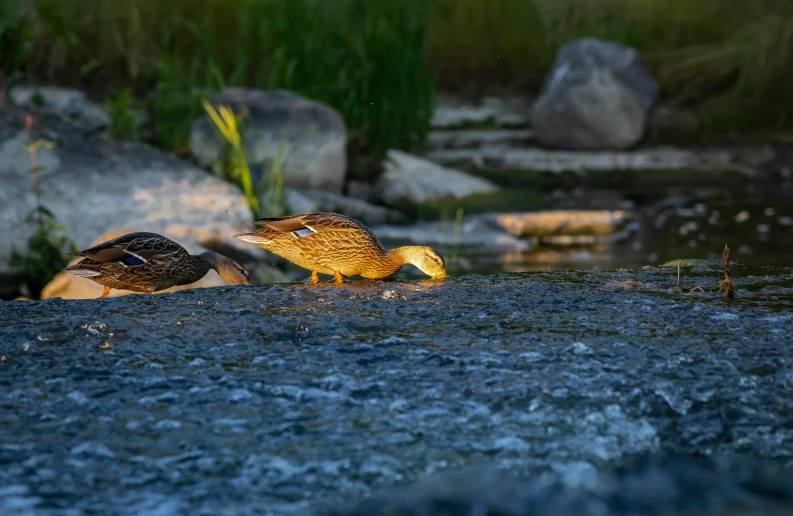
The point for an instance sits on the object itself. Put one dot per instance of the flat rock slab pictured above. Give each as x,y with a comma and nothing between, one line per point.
547,160
280,399
495,111
474,138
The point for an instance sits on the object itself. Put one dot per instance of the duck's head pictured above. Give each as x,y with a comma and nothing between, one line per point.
427,259
232,272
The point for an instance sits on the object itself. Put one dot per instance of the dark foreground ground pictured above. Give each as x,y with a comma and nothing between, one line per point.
293,399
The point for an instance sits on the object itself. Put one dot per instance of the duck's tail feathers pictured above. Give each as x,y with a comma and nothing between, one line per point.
253,238
85,273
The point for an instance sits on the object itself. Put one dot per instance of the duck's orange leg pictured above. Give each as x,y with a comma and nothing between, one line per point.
314,277
338,277
105,292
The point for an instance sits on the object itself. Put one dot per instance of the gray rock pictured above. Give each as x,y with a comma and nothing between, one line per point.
598,96
298,202
471,138
73,104
409,178
475,231
547,160
501,112
356,208
309,137
94,184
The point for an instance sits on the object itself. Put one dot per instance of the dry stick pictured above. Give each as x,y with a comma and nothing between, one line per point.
726,283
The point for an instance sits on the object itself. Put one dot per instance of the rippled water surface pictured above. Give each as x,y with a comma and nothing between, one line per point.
757,226
282,399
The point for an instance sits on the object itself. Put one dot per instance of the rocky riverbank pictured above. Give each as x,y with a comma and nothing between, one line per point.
560,160
291,399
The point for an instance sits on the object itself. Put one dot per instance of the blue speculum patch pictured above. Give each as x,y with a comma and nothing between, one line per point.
132,261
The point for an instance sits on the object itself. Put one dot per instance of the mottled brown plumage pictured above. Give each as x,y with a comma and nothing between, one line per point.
148,262
330,243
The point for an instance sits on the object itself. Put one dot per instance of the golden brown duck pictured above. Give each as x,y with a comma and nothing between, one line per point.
330,243
148,262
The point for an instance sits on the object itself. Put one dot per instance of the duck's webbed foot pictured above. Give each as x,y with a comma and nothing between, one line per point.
338,277
106,292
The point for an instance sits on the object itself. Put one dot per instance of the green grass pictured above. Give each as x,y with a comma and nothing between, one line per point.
363,57
378,61
236,166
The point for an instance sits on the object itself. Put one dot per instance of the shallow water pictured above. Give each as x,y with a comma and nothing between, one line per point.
756,224
279,399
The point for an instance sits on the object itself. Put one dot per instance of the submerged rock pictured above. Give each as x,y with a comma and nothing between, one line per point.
409,178
307,137
563,222
597,96
94,184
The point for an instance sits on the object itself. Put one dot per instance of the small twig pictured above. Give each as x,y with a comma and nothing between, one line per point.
726,283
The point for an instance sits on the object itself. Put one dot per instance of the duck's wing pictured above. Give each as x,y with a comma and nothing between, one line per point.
132,249
309,223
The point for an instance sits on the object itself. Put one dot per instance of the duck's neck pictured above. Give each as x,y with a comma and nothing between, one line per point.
198,268
395,259
387,263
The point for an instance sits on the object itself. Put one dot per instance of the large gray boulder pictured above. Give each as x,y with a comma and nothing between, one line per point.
312,134
598,96
94,184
